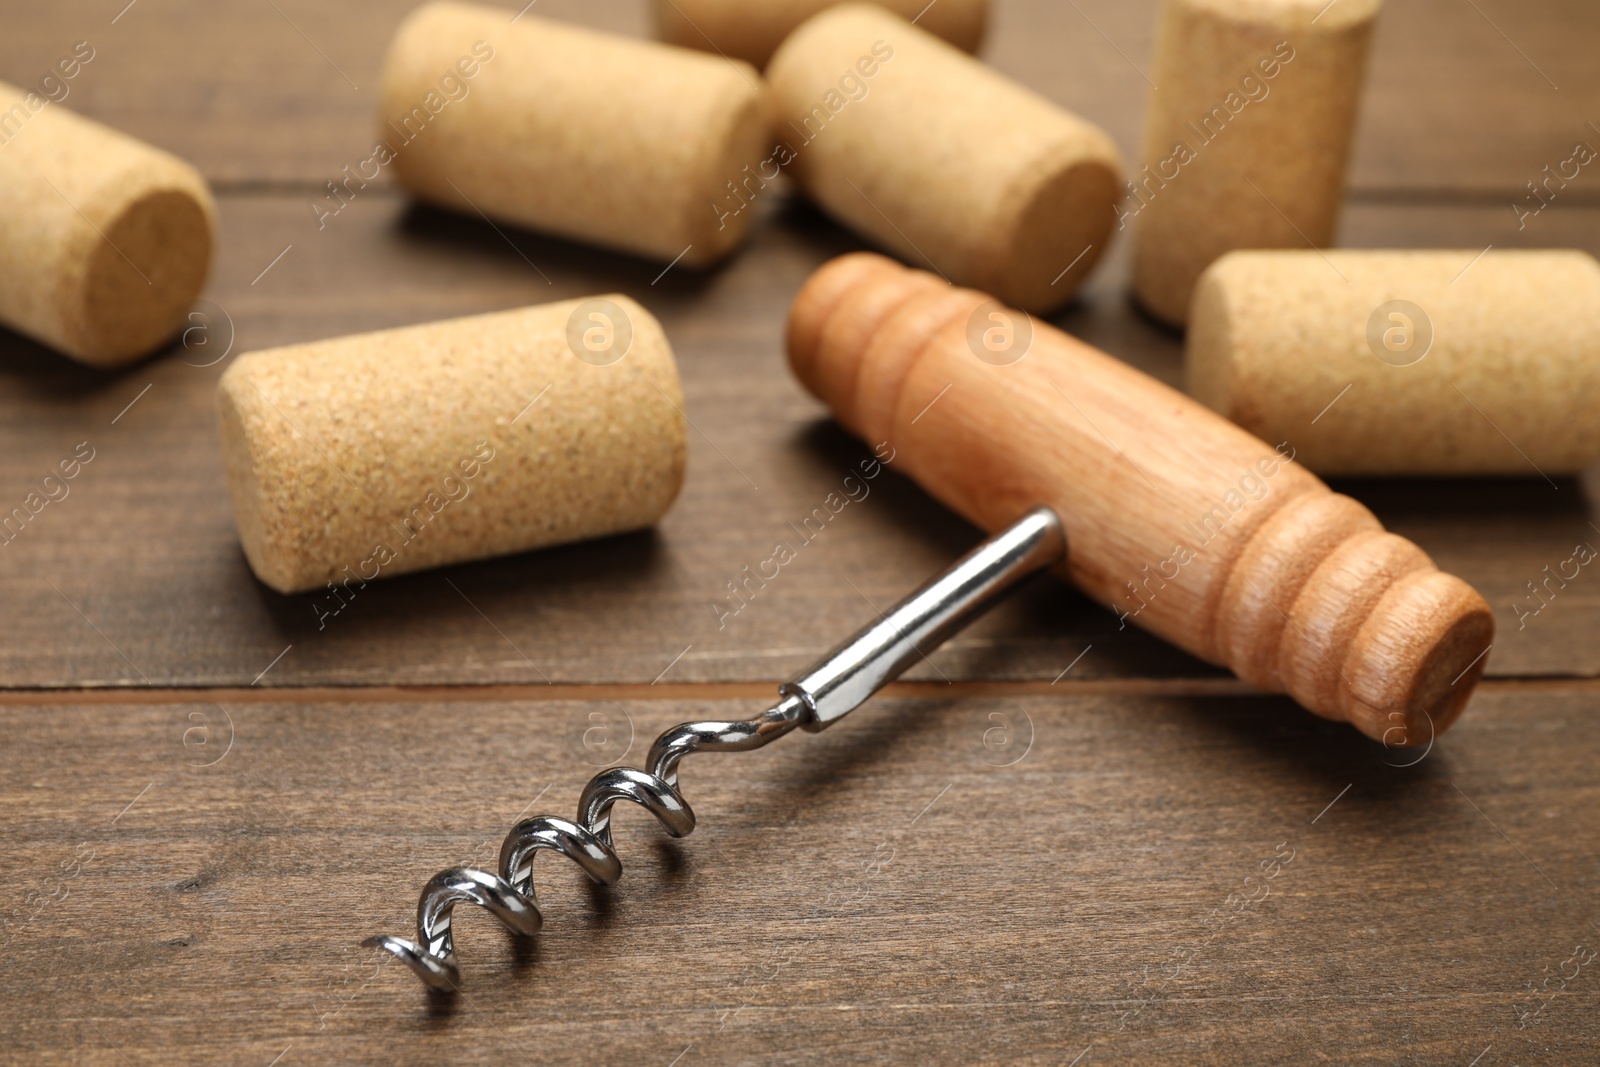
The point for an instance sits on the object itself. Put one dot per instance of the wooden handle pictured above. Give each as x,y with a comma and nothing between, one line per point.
1177,519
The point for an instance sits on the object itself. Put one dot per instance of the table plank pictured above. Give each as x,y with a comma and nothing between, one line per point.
903,887
136,577
1472,98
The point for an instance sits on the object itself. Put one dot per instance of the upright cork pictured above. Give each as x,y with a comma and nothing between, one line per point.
1394,363
942,160
1176,519
1247,136
389,452
753,29
106,241
628,144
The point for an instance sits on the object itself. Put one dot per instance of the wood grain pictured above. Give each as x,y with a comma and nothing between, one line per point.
888,891
1176,519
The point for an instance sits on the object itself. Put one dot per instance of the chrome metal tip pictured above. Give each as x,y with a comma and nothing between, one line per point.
441,976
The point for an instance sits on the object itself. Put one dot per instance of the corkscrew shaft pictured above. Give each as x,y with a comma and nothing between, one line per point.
829,690
843,679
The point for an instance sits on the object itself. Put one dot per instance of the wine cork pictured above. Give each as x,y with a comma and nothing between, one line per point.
1247,136
106,241
1413,362
941,160
389,452
617,142
753,29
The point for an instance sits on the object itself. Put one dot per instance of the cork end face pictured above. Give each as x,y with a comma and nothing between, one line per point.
143,278
235,403
1059,237
1415,663
746,149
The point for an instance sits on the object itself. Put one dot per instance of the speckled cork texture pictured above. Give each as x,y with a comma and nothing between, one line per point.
1406,363
1247,137
617,142
752,30
949,165
106,241
389,452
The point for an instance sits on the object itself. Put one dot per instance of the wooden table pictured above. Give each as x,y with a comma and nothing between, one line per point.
1060,843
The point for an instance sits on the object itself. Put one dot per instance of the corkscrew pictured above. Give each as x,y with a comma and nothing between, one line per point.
818,698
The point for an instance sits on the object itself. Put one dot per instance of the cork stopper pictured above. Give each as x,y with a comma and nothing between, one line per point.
1406,362
1297,589
628,144
389,452
109,241
1247,136
1014,195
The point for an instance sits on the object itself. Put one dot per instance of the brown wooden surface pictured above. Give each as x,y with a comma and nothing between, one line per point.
1076,899
1022,914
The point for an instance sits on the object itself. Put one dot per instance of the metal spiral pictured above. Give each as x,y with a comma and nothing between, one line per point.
819,697
509,895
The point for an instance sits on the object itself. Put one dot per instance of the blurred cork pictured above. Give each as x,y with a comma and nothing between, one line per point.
389,452
622,143
752,30
936,157
1412,362
1247,136
106,241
